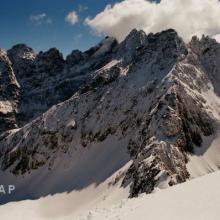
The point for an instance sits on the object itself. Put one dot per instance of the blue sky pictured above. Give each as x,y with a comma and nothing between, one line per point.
16,25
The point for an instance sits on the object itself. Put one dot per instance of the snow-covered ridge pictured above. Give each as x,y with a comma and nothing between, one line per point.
198,199
150,101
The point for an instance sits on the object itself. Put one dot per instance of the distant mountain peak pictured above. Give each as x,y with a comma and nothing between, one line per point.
21,51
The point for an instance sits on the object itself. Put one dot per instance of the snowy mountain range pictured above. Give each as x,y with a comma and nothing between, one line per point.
137,115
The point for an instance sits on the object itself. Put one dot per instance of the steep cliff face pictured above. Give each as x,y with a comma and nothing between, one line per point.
46,78
9,94
22,58
153,94
39,85
207,52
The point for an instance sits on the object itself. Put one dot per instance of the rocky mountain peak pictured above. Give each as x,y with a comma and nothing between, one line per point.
75,57
168,40
22,58
9,93
205,52
136,35
165,44
51,61
203,45
127,49
21,51
166,34
8,82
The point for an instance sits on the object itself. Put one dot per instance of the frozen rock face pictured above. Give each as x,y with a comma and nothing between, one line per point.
9,94
207,52
150,91
47,79
50,62
75,58
128,49
174,126
38,87
22,58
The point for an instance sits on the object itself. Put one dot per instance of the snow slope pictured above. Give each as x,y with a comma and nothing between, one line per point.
96,168
155,99
206,159
198,199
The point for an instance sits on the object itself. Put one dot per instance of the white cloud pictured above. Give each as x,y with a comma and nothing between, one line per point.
82,8
77,38
72,18
188,17
217,37
40,19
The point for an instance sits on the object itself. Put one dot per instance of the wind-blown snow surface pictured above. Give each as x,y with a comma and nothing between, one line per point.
198,199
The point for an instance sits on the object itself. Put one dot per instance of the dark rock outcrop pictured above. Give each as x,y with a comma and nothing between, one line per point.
9,94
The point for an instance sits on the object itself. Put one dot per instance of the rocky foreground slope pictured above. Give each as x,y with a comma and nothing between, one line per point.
152,96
